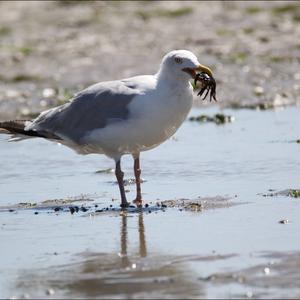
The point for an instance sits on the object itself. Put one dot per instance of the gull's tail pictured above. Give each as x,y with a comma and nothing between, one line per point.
17,129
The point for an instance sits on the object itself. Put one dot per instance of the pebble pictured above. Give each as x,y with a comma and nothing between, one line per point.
249,294
283,221
297,76
258,91
25,111
57,209
267,271
48,93
43,103
12,94
50,292
36,213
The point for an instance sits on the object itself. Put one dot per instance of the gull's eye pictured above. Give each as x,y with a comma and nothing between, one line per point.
178,60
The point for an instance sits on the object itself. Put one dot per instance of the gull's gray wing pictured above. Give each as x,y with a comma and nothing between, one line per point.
92,108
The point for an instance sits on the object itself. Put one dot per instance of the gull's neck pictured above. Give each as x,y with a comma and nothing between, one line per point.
164,78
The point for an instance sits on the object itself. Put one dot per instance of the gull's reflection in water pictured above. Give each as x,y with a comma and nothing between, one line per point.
112,275
142,239
124,237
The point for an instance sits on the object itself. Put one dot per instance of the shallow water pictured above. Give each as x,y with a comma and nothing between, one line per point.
234,251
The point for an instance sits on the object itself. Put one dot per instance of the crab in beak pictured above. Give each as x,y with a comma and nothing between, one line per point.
204,75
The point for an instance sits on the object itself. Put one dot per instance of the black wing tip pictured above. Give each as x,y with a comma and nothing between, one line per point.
18,127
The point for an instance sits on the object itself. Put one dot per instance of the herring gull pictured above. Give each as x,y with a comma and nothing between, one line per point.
120,117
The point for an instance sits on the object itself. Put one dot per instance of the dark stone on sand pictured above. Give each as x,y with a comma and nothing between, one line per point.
57,209
294,193
83,209
99,210
217,119
283,221
36,213
72,210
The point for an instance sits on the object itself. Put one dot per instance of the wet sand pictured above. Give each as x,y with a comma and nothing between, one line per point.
216,235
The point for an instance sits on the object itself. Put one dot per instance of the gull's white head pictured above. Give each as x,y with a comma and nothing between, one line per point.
181,65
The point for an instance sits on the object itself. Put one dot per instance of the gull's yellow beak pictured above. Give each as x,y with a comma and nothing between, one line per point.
201,68
204,69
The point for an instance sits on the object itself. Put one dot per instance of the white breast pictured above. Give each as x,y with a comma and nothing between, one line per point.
161,116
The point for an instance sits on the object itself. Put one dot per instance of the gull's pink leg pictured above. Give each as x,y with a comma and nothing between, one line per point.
137,173
120,176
